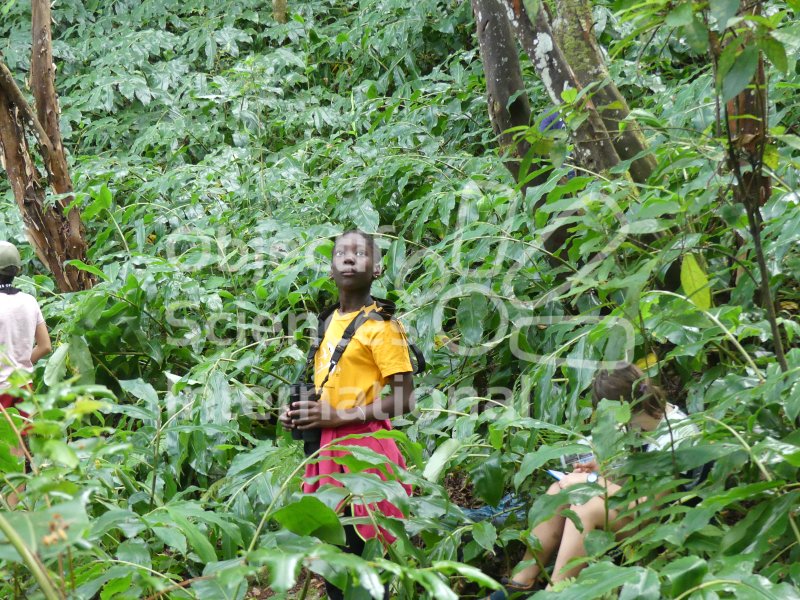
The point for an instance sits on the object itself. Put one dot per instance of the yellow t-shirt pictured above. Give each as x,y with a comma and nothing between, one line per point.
377,351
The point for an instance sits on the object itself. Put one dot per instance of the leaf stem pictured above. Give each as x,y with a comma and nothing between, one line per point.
41,575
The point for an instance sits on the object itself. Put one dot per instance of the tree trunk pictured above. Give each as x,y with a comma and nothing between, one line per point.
279,10
28,190
595,151
573,29
503,74
56,234
746,119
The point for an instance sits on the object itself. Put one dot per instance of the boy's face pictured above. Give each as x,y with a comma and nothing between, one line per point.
353,264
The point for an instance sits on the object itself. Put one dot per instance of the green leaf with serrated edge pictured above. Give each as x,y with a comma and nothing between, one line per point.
309,516
695,282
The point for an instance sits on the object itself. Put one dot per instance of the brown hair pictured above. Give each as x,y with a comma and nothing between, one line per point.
628,382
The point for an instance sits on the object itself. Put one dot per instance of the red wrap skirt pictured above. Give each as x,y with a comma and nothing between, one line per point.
318,474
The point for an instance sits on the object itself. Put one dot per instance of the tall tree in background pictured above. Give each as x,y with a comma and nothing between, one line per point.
566,56
56,233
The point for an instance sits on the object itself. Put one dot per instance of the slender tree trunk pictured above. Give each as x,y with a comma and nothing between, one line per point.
573,29
595,151
746,125
57,234
279,10
504,82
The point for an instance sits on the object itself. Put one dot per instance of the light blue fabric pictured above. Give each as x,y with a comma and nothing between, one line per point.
508,505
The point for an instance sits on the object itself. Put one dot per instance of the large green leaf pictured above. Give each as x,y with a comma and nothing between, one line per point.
439,459
740,74
489,480
695,282
310,516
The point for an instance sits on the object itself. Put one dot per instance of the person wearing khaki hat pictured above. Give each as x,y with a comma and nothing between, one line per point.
24,338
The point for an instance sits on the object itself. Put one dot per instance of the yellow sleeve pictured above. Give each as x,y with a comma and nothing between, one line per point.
390,350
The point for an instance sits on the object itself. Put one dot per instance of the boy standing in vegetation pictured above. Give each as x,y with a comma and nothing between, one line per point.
24,338
349,401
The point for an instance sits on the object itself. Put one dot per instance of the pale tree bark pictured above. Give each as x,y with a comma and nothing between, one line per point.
505,89
57,235
595,151
574,31
279,10
497,21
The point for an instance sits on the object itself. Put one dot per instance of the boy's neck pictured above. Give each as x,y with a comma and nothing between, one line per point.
353,301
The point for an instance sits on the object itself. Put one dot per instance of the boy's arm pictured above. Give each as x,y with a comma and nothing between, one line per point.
308,414
42,346
399,401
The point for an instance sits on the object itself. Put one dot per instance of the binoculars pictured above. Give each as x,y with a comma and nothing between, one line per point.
310,437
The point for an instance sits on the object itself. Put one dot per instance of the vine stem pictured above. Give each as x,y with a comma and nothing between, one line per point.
306,584
41,575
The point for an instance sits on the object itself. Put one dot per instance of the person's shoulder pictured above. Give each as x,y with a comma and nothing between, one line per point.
28,299
28,303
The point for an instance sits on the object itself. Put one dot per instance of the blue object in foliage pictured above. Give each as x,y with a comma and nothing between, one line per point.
508,505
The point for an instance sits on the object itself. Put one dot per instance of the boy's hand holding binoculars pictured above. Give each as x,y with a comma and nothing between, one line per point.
310,414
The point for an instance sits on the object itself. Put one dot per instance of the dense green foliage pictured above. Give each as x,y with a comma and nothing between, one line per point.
215,152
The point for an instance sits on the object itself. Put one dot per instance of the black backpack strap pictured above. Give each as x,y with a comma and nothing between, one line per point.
341,346
322,320
385,312
420,358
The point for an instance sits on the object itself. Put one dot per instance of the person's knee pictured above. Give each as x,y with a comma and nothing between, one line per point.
592,513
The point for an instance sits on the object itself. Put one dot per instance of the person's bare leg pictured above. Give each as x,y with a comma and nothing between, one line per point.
592,516
13,497
548,533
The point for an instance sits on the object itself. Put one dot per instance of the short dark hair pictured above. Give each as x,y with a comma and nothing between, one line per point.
7,275
628,382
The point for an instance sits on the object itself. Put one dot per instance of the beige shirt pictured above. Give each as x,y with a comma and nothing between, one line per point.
19,316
